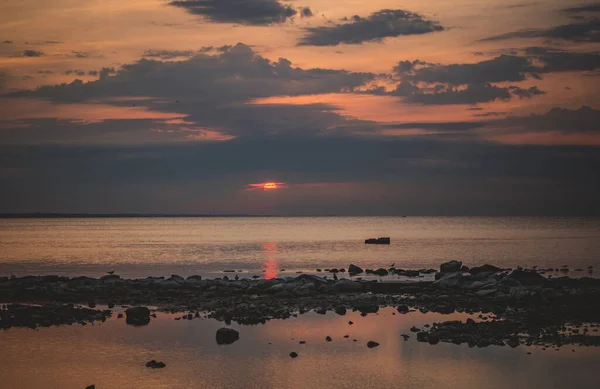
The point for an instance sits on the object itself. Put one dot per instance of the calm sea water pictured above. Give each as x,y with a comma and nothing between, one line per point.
138,247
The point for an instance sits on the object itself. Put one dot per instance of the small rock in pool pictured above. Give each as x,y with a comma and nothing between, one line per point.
155,365
293,354
138,316
350,322
227,335
111,305
341,310
120,316
372,344
302,342
328,338
91,387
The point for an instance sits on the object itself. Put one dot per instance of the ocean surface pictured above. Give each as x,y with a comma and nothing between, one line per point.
279,246
112,355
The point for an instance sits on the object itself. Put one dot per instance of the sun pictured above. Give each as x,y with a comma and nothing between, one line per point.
270,185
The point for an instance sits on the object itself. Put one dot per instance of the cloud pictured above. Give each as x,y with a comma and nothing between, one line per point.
168,54
77,72
583,31
584,120
32,53
557,60
249,12
585,8
7,42
379,25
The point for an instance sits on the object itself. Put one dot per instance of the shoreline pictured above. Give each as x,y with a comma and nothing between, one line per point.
516,306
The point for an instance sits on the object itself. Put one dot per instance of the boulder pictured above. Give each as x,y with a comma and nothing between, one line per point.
484,269
294,354
452,266
137,316
450,280
368,308
353,270
91,387
348,286
527,278
155,365
227,335
110,278
403,308
372,344
384,240
340,310
381,272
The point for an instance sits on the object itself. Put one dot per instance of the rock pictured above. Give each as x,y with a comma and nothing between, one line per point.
227,335
513,342
155,365
348,286
91,387
449,280
372,344
470,321
294,354
321,311
120,316
368,308
137,316
350,322
194,278
422,336
353,270
484,269
384,240
381,272
111,305
110,278
485,292
340,310
403,308
451,266
433,339
527,278
328,338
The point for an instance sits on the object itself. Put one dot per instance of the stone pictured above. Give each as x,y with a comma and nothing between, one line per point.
348,286
403,308
137,316
449,280
294,354
110,278
372,344
381,272
91,387
452,266
155,365
527,278
328,338
227,335
111,305
368,308
353,270
433,339
484,269
513,342
383,240
485,292
340,310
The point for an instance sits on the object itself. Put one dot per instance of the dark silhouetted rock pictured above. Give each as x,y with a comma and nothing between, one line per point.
381,272
155,365
372,344
484,269
527,277
451,266
137,316
328,338
294,354
384,240
403,308
353,270
368,308
227,335
341,310
91,387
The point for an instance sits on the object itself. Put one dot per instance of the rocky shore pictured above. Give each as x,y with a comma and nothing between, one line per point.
514,306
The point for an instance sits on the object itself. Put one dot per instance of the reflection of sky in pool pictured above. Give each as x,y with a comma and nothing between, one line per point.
112,355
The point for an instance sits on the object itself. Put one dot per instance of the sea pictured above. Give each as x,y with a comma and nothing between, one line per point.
283,246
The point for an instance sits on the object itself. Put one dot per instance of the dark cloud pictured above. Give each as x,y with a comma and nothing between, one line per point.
32,53
45,72
379,25
584,120
306,12
8,42
557,60
80,54
170,54
442,94
499,69
250,12
236,74
585,8
77,72
583,31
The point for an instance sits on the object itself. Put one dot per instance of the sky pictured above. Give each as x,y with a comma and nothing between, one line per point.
443,107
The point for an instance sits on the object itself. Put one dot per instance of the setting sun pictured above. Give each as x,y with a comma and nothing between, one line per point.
269,185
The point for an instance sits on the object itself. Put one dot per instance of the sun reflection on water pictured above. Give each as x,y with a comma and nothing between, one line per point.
270,267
